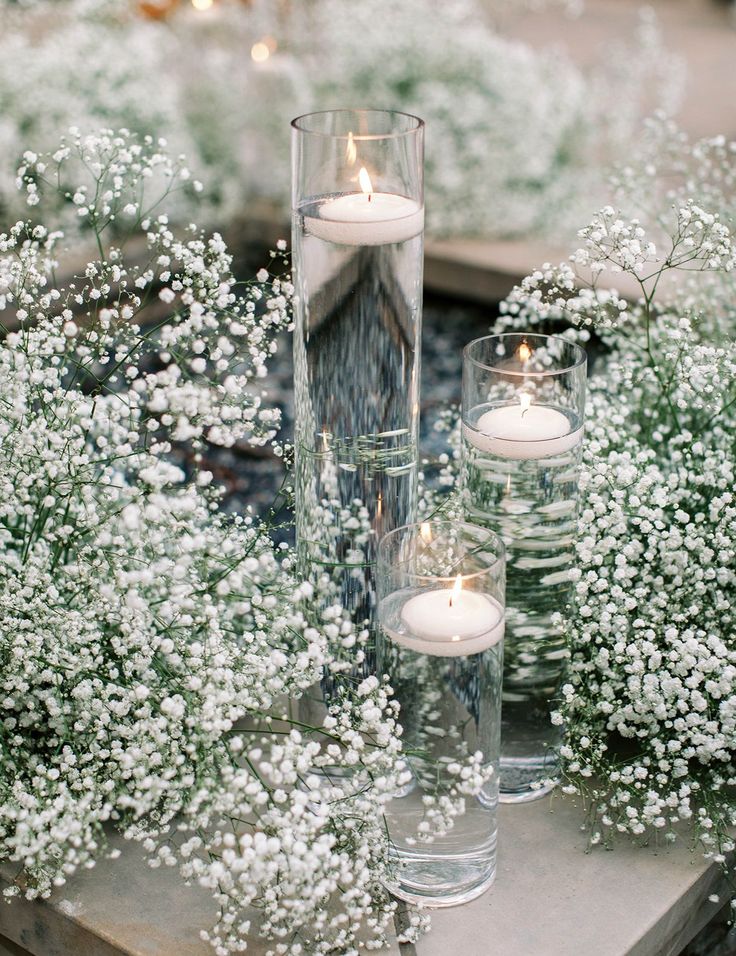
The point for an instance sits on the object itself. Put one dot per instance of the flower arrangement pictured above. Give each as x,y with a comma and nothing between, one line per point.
515,158
511,131
93,63
152,639
649,708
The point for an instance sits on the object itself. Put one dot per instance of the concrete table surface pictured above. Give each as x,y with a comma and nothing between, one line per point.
551,898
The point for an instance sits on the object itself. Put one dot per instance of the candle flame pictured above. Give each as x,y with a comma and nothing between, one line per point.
525,401
456,589
202,4
365,181
259,52
351,150
425,532
524,352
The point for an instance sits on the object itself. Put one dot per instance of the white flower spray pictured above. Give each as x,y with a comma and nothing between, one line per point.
514,134
649,707
152,642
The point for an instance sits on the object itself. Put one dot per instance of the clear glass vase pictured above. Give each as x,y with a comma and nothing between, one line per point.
358,246
441,589
522,432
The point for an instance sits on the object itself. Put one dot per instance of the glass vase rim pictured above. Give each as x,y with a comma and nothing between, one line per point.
417,124
499,548
581,354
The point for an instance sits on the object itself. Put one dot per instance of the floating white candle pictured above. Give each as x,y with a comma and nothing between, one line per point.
449,622
523,431
367,218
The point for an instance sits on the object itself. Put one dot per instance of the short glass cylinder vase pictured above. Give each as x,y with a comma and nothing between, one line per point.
522,439
441,609
358,243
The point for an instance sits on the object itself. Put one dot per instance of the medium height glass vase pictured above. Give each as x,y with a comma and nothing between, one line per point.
523,413
358,228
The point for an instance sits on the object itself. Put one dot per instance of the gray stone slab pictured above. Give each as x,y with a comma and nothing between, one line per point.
118,907
11,949
477,270
551,898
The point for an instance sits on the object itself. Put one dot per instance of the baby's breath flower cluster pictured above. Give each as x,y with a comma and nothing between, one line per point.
524,171
649,708
151,640
92,62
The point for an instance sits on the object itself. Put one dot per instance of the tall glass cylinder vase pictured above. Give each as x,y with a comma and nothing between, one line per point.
523,414
358,246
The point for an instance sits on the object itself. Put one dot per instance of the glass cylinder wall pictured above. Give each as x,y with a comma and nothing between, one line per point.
358,221
522,431
441,591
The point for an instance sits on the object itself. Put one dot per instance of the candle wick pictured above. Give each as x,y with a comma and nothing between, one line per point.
450,600
370,196
524,411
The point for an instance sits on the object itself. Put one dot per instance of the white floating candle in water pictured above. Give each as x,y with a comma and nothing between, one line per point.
449,622
523,431
366,218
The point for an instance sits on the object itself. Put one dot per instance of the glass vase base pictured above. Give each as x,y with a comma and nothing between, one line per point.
437,882
524,779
